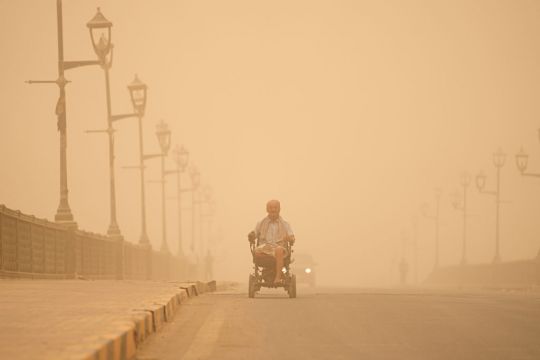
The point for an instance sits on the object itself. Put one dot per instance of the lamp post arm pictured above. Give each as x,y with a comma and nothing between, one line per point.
486,192
537,175
151,156
106,131
74,64
122,116
430,217
43,81
459,208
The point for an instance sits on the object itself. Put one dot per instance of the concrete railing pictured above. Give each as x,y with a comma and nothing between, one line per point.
37,248
511,273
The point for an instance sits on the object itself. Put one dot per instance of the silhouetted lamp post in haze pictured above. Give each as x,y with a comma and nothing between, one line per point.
195,177
181,158
522,160
462,205
63,214
207,215
205,199
164,137
415,248
137,91
100,34
499,159
435,217
195,182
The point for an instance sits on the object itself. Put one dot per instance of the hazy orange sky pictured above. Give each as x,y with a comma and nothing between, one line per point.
349,112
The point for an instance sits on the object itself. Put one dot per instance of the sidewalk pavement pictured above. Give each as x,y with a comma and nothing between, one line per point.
82,319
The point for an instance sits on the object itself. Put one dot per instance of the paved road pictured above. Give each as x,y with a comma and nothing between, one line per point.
353,324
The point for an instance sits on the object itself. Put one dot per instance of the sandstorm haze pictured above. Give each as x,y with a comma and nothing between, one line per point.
348,112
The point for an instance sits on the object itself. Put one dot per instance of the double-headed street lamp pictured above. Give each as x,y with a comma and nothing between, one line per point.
100,34
435,217
499,159
63,214
522,160
462,205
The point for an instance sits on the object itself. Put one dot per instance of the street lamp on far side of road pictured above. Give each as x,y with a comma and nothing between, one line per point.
522,162
462,205
434,217
499,159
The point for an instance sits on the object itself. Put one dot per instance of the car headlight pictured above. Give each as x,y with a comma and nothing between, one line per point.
307,270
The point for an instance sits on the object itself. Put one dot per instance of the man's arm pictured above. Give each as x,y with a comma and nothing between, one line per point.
290,235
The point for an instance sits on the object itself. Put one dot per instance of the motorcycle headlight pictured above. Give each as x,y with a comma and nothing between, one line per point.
307,270
283,270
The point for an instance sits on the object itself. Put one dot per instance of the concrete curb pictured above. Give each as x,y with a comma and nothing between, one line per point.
145,321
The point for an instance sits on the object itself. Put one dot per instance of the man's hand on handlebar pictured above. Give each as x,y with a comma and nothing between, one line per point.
290,239
251,237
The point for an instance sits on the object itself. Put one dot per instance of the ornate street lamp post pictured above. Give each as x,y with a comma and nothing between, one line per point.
205,198
195,182
181,158
208,215
100,34
499,159
522,160
462,205
137,91
415,248
435,217
164,137
63,214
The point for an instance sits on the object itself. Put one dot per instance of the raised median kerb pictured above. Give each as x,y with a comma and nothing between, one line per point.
78,319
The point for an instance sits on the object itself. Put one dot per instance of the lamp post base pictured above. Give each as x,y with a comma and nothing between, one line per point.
64,217
70,225
114,231
144,240
164,248
497,259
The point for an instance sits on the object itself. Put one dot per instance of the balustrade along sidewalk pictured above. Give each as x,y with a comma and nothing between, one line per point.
37,248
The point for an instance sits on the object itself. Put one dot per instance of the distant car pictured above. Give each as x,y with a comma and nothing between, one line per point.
303,267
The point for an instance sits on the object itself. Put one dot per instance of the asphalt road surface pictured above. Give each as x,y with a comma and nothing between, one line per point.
353,324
